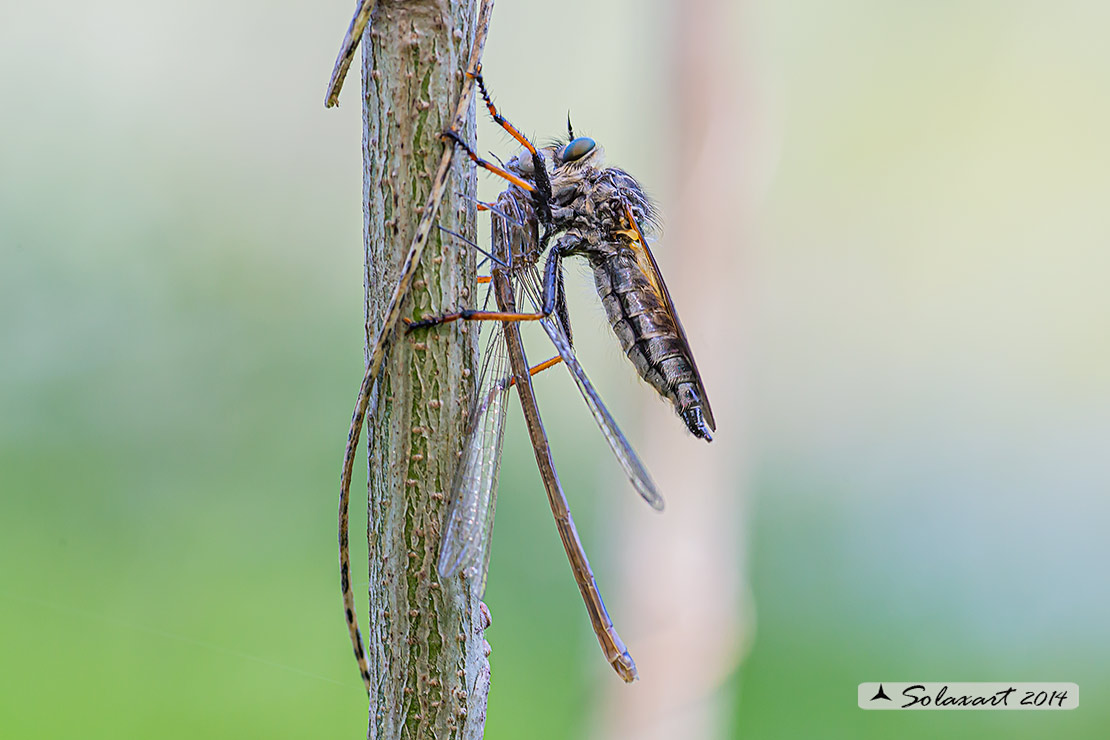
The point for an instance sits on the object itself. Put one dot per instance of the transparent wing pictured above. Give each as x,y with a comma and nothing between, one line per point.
645,258
465,545
466,536
622,450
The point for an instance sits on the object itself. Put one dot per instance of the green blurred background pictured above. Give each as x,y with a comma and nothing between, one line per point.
926,363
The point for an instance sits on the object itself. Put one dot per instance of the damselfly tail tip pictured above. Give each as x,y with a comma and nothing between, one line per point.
625,667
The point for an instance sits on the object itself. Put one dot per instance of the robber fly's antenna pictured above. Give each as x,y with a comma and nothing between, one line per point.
570,129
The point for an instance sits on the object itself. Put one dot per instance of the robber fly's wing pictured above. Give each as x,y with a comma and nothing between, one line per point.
623,451
645,260
466,536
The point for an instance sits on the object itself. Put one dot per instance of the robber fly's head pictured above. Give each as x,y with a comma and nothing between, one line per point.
578,153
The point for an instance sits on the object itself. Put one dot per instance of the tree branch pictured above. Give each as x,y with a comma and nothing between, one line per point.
427,654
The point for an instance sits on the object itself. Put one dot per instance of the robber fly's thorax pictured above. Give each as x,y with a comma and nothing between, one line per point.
594,215
589,202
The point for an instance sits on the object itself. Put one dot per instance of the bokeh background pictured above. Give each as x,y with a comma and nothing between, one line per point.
915,364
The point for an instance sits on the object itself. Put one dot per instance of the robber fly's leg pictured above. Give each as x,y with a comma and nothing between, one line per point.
537,369
469,314
497,118
561,305
541,194
554,293
553,300
500,119
489,166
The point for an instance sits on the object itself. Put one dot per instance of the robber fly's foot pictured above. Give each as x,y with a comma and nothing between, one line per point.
481,81
454,136
430,321
412,325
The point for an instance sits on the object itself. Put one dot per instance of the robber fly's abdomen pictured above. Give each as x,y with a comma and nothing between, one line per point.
648,335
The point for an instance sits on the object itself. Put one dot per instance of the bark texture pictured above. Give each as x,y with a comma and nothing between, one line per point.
425,640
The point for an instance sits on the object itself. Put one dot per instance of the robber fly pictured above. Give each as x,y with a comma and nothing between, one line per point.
600,213
562,193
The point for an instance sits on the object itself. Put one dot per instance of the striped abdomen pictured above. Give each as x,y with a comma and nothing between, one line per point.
648,334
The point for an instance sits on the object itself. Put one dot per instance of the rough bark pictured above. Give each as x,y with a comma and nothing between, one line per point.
425,640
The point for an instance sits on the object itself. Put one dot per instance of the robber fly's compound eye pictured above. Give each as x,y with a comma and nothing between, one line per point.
577,149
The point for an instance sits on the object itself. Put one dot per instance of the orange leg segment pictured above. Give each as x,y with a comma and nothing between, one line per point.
498,118
539,368
488,166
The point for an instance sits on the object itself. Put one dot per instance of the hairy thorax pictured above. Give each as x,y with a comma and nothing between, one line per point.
591,208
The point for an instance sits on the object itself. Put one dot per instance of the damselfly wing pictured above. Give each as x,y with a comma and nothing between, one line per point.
476,479
469,525
466,536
